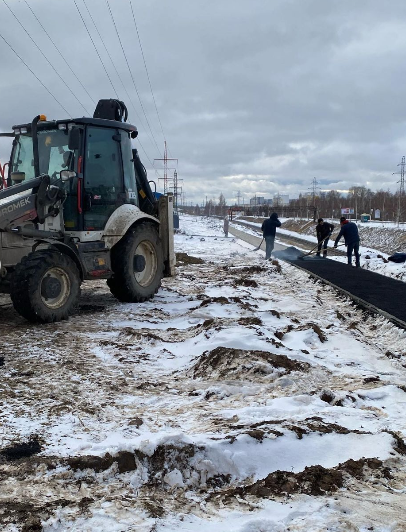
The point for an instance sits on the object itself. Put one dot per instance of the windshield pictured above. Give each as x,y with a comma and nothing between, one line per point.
53,153
23,159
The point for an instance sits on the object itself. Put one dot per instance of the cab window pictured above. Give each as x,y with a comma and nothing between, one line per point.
103,183
128,168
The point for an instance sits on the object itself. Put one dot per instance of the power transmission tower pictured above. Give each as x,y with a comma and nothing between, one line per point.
177,190
314,189
401,187
238,198
165,160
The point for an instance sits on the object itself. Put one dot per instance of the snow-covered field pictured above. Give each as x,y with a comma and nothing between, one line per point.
243,398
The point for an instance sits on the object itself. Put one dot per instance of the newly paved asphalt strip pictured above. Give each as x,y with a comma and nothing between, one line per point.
374,292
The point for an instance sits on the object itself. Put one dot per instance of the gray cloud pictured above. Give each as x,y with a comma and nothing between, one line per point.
257,96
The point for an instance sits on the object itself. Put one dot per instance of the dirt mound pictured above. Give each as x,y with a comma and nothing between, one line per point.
246,322
314,480
221,300
299,226
20,512
400,444
184,258
322,336
317,425
21,450
249,269
228,363
27,515
245,282
167,458
125,462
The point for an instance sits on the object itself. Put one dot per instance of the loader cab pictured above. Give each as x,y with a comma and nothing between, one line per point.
97,153
105,174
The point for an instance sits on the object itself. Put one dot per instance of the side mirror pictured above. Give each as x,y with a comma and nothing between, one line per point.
74,139
66,175
17,177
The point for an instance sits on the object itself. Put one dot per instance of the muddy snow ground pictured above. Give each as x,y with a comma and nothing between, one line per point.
243,398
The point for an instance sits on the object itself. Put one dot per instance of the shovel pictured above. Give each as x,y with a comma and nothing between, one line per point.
258,247
315,247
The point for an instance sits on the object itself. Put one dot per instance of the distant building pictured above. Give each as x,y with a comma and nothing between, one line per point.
281,199
257,200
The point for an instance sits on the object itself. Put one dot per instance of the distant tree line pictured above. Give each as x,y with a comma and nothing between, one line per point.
362,200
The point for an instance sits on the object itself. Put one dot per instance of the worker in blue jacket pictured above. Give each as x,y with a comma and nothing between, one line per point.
349,231
269,231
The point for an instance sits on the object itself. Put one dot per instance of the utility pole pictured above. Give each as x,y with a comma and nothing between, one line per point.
401,187
177,190
165,160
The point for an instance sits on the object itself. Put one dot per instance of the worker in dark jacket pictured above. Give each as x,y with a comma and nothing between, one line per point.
323,232
225,226
349,231
269,230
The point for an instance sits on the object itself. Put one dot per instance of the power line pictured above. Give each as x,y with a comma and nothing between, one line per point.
117,73
114,66
45,87
131,74
146,69
94,45
146,154
111,59
44,56
34,74
57,49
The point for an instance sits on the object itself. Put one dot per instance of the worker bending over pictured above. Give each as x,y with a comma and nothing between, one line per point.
323,231
349,231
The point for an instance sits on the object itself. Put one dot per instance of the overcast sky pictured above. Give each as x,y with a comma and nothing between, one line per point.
256,96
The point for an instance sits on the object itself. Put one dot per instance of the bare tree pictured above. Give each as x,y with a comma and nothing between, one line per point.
222,204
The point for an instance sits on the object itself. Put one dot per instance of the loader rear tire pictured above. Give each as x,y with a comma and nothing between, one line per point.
137,263
45,286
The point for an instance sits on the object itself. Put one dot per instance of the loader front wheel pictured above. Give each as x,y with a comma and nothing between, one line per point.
137,262
45,286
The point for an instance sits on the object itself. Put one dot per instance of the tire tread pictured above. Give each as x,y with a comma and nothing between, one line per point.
121,284
23,290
